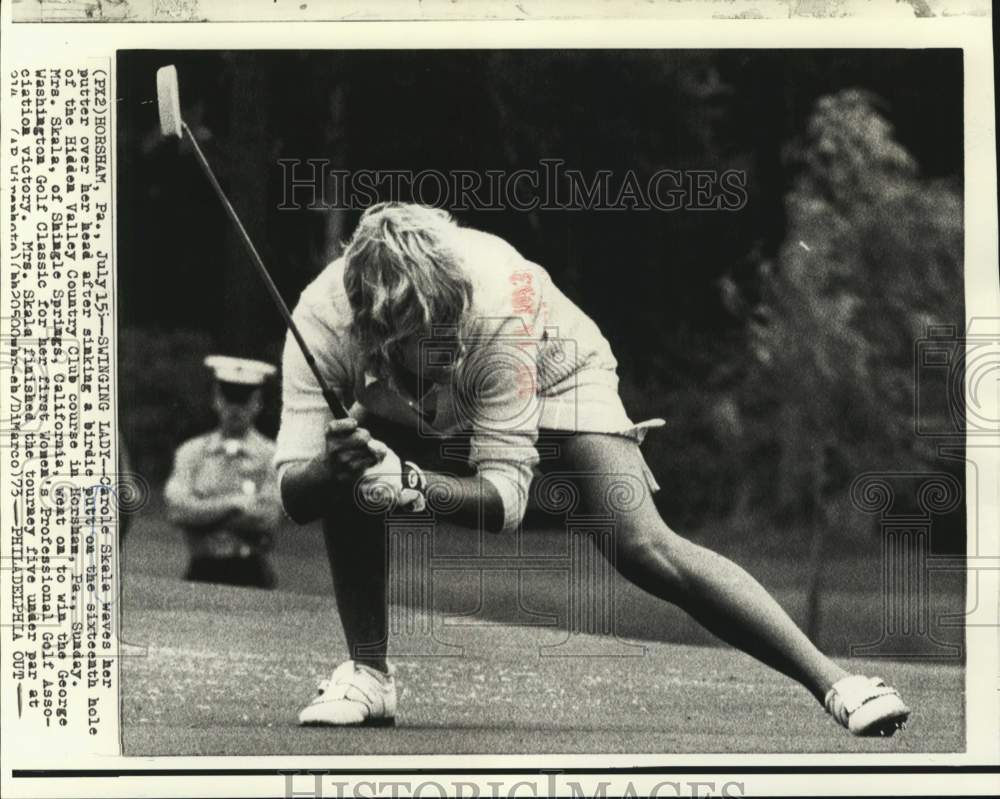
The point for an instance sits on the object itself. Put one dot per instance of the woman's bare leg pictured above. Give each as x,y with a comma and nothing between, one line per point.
720,595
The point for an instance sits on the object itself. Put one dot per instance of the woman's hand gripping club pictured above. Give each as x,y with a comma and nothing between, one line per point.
380,479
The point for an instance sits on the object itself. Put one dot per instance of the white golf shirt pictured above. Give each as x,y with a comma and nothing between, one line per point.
535,361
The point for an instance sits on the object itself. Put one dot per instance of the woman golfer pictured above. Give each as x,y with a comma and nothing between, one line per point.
430,332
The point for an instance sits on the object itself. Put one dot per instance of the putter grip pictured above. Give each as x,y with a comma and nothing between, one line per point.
333,402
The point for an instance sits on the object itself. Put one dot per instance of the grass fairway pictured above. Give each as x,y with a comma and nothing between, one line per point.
226,670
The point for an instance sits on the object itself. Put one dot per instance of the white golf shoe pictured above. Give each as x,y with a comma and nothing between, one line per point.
354,696
866,706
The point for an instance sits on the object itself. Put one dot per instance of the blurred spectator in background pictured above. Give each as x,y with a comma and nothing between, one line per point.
222,491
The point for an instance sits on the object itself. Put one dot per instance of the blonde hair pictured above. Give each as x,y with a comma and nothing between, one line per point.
403,279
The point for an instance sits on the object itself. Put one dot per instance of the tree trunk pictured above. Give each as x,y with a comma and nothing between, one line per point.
817,545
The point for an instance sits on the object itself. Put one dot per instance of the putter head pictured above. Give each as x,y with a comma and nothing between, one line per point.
168,98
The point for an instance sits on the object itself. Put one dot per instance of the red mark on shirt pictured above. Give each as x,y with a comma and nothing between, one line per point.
523,303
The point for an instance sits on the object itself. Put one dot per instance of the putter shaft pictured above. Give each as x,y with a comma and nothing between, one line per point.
332,400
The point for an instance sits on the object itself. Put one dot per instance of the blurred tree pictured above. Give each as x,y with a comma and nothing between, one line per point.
873,255
248,142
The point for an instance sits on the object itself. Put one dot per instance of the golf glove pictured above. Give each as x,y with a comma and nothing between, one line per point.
393,482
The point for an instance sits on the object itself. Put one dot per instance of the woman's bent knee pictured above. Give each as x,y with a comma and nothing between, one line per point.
642,556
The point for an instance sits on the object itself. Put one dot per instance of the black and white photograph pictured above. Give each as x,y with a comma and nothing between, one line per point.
556,401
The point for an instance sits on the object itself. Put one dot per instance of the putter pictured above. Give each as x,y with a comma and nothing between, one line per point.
172,124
